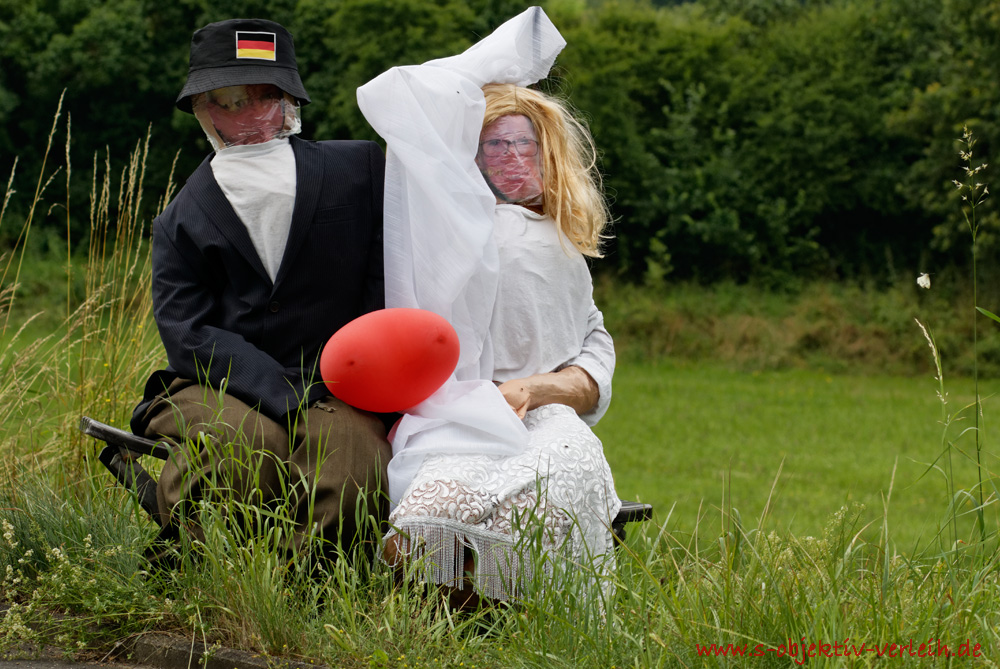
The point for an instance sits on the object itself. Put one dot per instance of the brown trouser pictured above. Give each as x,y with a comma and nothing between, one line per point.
328,464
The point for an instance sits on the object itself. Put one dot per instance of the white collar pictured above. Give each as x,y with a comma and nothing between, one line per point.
524,211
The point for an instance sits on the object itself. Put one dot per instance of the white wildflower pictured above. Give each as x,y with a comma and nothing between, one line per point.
8,533
924,281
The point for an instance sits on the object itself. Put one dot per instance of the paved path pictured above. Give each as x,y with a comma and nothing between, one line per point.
57,664
163,651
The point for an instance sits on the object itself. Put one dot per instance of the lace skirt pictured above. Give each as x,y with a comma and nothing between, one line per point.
557,498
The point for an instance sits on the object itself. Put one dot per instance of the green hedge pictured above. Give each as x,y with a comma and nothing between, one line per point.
748,140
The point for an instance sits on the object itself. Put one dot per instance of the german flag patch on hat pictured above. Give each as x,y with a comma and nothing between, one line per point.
255,45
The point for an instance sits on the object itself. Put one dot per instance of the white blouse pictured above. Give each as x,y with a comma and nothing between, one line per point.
544,316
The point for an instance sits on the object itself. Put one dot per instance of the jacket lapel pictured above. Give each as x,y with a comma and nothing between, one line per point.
308,181
208,195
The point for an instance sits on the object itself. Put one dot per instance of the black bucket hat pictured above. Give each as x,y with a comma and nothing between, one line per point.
241,52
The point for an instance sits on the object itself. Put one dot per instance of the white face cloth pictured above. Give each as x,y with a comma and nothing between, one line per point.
438,228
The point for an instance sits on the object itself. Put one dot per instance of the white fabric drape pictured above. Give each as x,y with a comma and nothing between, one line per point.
438,228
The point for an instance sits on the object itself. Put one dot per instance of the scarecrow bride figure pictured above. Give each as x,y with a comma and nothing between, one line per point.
492,205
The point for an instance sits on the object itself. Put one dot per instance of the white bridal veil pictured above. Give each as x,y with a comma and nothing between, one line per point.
438,227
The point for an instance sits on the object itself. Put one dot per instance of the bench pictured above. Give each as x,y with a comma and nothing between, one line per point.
120,457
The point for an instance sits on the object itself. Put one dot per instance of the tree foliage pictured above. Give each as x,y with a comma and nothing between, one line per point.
741,139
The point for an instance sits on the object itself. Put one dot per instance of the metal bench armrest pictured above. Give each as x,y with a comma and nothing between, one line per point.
113,436
133,477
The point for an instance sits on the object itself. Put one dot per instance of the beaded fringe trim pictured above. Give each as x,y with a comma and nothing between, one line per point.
437,548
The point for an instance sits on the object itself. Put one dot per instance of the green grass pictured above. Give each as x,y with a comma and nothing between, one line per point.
699,438
76,552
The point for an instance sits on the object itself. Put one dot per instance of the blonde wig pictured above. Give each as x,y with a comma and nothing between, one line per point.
572,192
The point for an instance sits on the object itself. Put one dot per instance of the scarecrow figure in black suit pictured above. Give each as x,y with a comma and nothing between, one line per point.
273,244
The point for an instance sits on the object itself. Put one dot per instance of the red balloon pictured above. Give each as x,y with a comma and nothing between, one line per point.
389,360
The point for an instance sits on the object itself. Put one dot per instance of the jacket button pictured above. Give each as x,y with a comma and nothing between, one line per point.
273,307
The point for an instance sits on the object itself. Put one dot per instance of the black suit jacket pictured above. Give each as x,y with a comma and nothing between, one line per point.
223,321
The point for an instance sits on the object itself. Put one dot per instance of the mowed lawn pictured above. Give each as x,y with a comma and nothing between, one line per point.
685,435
